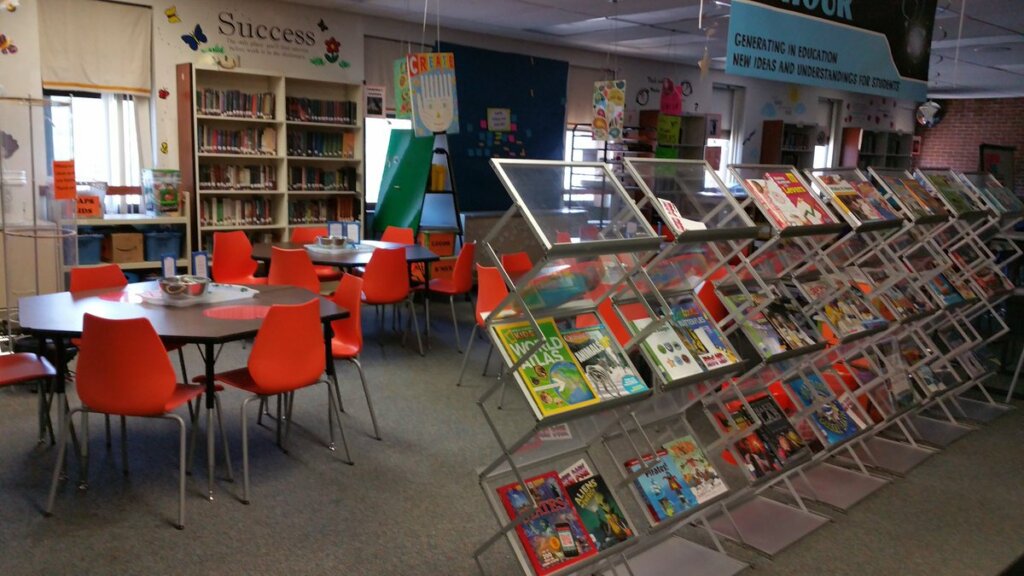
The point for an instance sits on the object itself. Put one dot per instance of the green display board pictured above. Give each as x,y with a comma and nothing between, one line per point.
404,181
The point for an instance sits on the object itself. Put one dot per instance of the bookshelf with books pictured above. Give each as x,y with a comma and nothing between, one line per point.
861,148
264,152
788,144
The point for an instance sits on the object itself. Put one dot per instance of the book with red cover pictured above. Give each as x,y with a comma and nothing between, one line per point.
553,535
787,202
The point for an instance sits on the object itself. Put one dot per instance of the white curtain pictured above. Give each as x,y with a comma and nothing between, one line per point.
144,131
96,46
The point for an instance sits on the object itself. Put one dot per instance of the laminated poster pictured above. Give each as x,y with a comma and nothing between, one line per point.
609,109
435,103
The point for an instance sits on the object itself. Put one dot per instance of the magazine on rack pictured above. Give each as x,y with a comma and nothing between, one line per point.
698,472
848,314
666,352
776,431
831,417
599,512
950,189
787,202
757,456
1002,199
662,486
701,336
610,374
859,199
913,196
762,335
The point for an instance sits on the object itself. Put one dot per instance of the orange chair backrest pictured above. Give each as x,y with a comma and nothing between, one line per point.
398,235
97,278
123,367
348,295
288,352
292,268
232,256
516,263
490,291
307,235
462,275
386,279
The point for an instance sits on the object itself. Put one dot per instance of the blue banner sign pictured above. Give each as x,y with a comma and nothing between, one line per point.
855,45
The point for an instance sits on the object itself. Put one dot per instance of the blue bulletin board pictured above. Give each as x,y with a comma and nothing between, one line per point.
533,92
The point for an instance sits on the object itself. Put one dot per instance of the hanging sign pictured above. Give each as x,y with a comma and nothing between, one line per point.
856,45
403,102
435,103
609,109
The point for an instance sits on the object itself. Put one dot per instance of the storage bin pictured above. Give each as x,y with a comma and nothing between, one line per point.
89,248
161,243
132,277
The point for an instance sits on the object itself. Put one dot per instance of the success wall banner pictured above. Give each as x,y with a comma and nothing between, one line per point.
856,45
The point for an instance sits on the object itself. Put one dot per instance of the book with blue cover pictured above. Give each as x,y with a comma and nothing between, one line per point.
831,418
662,486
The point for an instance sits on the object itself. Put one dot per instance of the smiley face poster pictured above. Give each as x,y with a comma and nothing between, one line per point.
609,109
435,104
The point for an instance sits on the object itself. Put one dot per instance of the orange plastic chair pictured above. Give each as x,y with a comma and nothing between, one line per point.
99,277
292,268
110,381
232,259
460,283
287,354
490,291
347,342
562,237
386,281
308,236
516,264
26,367
398,235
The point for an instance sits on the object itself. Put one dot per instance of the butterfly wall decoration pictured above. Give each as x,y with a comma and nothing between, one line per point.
6,46
323,27
172,15
194,39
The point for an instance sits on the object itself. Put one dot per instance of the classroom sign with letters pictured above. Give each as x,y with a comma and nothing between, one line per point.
856,45
435,104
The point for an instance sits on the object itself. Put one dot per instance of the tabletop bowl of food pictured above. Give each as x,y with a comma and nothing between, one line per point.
184,287
332,242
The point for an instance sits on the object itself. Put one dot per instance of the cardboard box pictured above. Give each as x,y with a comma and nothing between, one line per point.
440,243
121,247
443,268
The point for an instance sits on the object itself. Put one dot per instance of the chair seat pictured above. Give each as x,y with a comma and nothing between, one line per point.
327,273
444,286
251,280
375,302
343,350
239,378
182,394
24,366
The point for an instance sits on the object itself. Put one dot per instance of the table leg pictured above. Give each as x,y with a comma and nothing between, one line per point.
332,380
426,299
210,403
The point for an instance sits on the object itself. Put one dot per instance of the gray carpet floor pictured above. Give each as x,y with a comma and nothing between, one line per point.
411,504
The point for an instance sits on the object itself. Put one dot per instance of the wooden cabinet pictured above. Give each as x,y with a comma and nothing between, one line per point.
863,148
790,144
268,153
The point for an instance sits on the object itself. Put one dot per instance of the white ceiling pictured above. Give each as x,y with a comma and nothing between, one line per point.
990,62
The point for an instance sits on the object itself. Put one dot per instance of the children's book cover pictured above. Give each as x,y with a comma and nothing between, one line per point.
666,352
599,512
776,431
662,486
859,199
698,472
551,375
913,196
784,321
831,418
553,535
758,330
787,202
758,458
951,190
610,374
579,470
701,336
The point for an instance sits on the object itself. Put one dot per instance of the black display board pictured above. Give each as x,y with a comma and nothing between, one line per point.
532,90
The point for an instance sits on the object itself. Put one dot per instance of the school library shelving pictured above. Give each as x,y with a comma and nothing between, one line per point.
792,333
267,153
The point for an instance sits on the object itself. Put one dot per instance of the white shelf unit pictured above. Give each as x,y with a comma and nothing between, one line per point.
143,223
284,204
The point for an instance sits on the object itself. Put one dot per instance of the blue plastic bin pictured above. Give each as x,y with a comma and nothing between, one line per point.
160,243
132,277
89,248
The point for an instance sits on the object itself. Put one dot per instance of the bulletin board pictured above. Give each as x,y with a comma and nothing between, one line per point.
526,96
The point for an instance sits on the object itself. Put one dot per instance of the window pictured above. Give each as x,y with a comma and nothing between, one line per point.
378,137
104,138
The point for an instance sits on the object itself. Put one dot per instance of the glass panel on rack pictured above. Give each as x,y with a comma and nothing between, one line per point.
783,197
946,185
572,202
1002,199
685,269
908,194
839,307
853,195
774,328
687,196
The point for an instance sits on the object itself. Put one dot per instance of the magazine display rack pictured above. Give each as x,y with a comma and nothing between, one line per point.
576,378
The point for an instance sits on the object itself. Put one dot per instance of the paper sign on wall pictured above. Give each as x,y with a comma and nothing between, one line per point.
499,119
435,103
64,179
403,103
374,101
609,109
88,207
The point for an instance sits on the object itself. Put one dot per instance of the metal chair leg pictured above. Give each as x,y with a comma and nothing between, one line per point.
181,469
415,325
455,323
58,468
124,446
83,477
245,451
465,356
366,392
211,461
341,428
487,361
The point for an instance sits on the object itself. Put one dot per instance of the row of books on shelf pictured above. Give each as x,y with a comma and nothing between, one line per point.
577,516
227,211
313,179
237,177
322,144
321,210
261,141
329,111
235,103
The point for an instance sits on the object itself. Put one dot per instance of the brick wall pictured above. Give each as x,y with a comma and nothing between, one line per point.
967,125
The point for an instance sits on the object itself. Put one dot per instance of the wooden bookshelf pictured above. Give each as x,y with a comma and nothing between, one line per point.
788,144
882,149
266,153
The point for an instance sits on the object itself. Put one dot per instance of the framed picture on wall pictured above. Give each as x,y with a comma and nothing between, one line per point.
999,161
714,125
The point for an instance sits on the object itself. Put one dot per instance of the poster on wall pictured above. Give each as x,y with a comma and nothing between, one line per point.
609,109
852,45
403,103
998,161
374,101
435,103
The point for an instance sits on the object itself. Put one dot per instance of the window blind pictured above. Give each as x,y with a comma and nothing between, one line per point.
96,46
